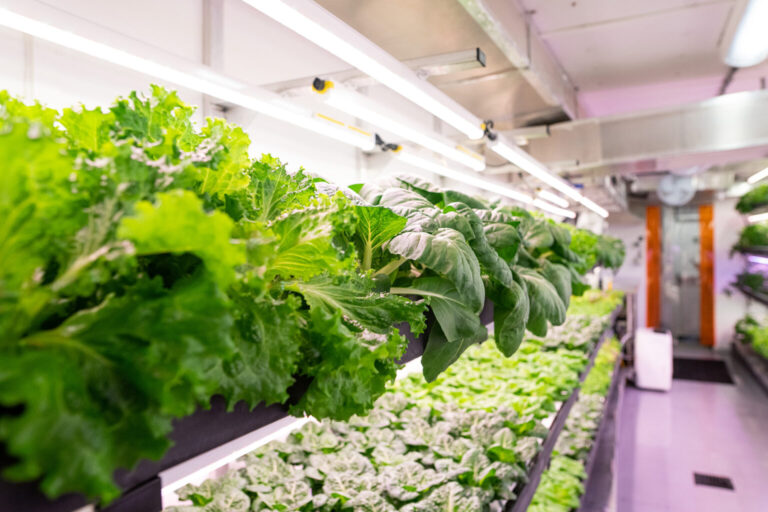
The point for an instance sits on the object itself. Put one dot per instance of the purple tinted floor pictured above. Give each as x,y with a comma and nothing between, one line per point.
697,427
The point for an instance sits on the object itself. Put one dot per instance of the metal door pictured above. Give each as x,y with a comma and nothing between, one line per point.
680,283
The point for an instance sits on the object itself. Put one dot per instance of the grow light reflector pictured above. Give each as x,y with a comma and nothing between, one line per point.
526,162
362,107
758,176
311,21
195,78
468,179
749,45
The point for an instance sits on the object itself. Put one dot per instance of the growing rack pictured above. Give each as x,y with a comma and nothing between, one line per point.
757,250
753,294
208,429
597,488
541,462
192,436
755,363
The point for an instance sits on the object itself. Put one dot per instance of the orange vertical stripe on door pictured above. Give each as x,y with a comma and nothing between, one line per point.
653,265
707,275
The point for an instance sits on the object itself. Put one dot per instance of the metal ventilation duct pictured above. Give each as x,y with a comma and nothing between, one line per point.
726,129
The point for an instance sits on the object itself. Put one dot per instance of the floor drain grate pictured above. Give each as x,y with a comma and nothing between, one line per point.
722,482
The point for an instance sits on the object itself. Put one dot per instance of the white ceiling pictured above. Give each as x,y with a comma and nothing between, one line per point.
628,51
644,49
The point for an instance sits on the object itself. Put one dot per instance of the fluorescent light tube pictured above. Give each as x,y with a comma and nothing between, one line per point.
758,217
758,176
749,45
593,206
535,168
196,79
311,21
547,207
553,198
468,179
362,107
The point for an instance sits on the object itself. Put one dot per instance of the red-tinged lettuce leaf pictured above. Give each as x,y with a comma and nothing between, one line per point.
107,383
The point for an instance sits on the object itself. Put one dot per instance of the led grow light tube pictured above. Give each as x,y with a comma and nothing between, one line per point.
758,176
760,260
362,107
758,217
311,21
198,468
526,162
547,207
468,179
749,45
553,198
195,78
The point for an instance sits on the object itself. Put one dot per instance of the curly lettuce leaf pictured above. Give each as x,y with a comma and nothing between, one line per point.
354,297
108,381
205,235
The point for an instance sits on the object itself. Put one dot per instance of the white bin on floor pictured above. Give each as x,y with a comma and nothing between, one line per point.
653,359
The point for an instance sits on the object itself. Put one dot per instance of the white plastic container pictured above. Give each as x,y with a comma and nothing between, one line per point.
653,359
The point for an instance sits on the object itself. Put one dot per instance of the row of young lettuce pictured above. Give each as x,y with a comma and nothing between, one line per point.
753,239
462,443
147,264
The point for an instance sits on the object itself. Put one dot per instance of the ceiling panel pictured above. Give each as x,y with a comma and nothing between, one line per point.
680,44
555,15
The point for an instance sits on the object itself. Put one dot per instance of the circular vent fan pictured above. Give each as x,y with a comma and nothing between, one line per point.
676,190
